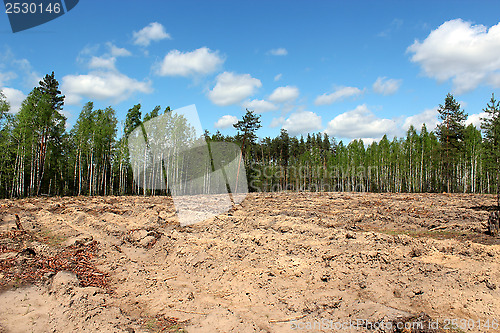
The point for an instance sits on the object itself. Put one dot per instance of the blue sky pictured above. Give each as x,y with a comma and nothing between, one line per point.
352,69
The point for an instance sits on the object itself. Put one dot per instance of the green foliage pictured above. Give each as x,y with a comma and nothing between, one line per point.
4,106
94,141
50,86
38,132
491,127
153,114
451,135
40,157
247,127
133,119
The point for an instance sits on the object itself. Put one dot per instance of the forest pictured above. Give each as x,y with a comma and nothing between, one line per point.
40,157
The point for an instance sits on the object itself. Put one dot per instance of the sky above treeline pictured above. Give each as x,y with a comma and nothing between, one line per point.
352,69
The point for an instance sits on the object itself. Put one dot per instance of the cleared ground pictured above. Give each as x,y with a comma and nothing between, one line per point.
278,262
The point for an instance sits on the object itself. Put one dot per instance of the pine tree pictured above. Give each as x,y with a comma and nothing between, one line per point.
153,114
247,128
133,119
50,86
491,128
246,134
451,136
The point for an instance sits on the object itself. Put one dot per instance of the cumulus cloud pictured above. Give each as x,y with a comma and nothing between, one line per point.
102,62
101,85
386,86
225,122
12,67
152,32
302,122
338,95
428,117
232,88
275,122
278,52
465,53
284,94
259,105
116,51
360,123
475,119
93,59
14,97
200,61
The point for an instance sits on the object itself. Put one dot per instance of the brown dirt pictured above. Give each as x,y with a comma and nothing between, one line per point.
276,263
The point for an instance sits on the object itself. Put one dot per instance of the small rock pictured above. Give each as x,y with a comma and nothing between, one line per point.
416,252
350,236
137,235
490,285
146,241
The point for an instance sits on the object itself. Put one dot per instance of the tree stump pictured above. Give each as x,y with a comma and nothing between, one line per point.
18,223
494,223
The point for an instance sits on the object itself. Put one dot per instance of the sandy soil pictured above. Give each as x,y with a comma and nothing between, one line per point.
276,263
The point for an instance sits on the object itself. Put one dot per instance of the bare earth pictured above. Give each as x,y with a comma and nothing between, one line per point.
277,262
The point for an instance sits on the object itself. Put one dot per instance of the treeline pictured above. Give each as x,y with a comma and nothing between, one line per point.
452,158
40,157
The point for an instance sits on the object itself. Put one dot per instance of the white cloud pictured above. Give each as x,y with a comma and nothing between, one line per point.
275,122
278,77
6,77
200,61
225,122
259,105
301,122
17,68
101,85
14,97
153,32
284,94
386,86
278,52
360,123
107,60
465,53
31,77
428,117
338,95
475,119
231,88
118,51
102,62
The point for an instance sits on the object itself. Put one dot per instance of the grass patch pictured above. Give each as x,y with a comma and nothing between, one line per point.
164,324
50,238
